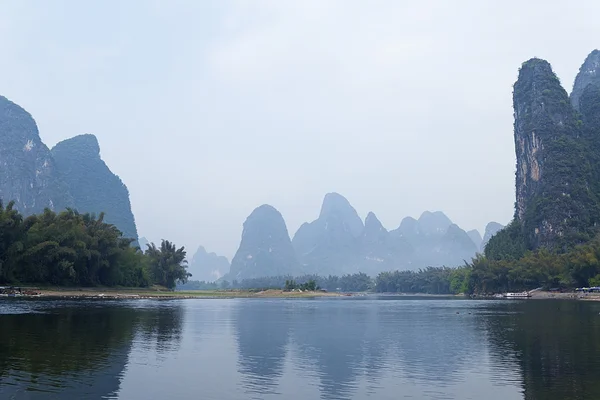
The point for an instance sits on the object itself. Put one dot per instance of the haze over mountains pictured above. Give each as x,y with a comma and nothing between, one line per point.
207,267
338,242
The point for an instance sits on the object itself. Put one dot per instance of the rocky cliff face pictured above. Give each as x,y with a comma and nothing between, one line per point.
28,174
330,244
265,248
553,175
94,187
207,267
558,169
589,73
475,237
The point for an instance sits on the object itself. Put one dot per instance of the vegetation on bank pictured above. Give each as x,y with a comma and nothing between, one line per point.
485,274
359,282
73,249
291,285
80,250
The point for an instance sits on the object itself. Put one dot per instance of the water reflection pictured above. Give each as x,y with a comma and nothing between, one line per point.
556,346
78,350
300,349
341,345
262,337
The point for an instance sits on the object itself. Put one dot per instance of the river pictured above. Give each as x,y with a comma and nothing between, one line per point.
331,348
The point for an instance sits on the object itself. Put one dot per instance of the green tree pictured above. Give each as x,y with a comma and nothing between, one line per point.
167,264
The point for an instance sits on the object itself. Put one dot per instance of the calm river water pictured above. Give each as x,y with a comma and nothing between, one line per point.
334,348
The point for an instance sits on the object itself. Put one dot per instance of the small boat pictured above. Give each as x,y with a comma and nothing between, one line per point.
517,295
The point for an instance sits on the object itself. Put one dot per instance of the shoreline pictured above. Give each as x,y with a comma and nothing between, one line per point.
136,293
163,294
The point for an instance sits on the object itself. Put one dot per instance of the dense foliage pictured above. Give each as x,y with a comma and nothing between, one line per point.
73,249
167,264
358,282
431,280
291,284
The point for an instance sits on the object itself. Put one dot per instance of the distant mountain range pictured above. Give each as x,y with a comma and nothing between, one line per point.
71,175
207,267
338,242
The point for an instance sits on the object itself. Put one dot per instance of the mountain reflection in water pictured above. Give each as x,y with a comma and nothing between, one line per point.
384,348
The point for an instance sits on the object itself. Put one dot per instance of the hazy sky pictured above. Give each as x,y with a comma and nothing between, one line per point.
207,109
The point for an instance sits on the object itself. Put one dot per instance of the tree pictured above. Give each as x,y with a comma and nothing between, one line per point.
290,285
167,264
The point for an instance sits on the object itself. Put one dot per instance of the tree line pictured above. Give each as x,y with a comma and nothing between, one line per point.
358,282
73,249
488,273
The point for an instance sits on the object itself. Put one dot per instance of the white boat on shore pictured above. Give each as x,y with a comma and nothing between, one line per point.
517,295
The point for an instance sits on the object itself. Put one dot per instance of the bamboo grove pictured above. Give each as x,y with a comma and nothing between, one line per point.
73,249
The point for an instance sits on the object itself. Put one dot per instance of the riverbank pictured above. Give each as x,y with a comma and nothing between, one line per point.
542,295
137,293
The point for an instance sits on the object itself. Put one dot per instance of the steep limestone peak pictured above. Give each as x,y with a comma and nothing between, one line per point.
265,248
542,116
373,226
86,145
208,267
27,170
457,243
16,123
589,106
94,187
433,223
372,221
336,206
589,73
475,237
408,227
201,251
265,211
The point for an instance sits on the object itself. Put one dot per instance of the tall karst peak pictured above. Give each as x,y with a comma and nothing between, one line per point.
330,243
265,248
549,158
558,169
94,187
28,174
408,227
87,145
206,266
589,107
475,237
433,223
337,206
589,73
373,227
